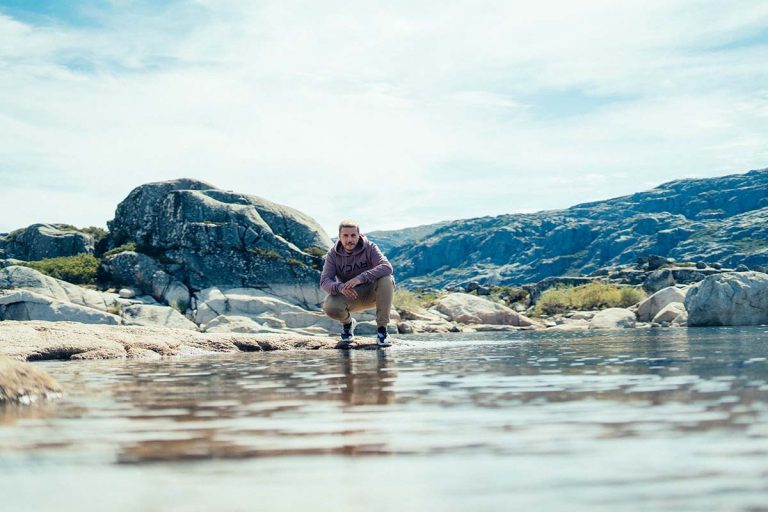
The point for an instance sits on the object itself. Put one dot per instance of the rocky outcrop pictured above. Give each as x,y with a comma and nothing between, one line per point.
24,278
26,305
613,318
41,241
143,272
723,220
469,309
207,237
23,383
736,298
650,307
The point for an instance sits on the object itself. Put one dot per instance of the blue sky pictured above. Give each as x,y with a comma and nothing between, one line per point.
397,114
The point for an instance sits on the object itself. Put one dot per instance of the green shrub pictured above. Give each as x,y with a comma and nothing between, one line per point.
96,232
405,300
587,297
79,269
130,246
316,251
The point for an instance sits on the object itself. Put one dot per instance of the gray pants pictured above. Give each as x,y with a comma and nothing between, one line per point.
378,294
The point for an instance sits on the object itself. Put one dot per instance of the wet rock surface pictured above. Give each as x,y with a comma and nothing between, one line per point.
22,383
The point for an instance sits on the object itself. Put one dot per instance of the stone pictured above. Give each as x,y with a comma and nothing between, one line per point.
24,383
650,307
242,324
23,305
613,318
126,293
469,309
256,304
212,237
25,278
701,265
670,313
42,241
161,316
742,268
145,273
729,299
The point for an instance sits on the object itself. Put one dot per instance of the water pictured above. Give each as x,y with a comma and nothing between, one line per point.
628,420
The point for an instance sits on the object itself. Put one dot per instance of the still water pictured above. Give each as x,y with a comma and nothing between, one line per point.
665,419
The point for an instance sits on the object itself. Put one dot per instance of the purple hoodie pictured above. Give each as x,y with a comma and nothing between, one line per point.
366,262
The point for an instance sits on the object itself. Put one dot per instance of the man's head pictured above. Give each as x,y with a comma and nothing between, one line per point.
349,234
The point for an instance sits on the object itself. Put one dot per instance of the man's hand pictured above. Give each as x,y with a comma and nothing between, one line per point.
348,288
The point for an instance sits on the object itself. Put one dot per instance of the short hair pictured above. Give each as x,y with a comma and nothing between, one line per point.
346,223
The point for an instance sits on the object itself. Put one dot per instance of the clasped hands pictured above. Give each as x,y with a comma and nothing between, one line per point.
348,288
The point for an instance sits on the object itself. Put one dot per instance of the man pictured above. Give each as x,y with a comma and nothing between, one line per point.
357,276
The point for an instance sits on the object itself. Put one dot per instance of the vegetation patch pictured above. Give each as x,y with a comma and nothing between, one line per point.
316,251
588,297
130,246
79,269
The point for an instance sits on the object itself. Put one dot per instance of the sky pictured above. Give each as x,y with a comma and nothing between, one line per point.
395,113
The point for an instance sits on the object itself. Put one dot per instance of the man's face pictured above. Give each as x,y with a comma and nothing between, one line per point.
349,238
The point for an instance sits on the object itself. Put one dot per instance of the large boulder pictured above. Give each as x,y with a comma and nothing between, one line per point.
23,383
41,241
672,313
734,298
25,278
469,309
25,305
651,306
210,237
613,318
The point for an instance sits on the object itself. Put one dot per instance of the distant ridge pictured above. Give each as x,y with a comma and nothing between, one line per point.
723,220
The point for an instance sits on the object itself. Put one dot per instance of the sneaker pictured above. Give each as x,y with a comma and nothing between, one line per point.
383,339
348,331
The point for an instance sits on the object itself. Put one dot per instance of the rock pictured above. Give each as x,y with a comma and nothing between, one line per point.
143,272
613,318
25,278
41,241
368,327
26,305
161,316
582,315
259,306
224,323
716,266
23,383
670,313
469,309
742,268
211,237
126,293
667,277
651,306
571,325
701,265
483,290
655,262
71,341
729,299
405,328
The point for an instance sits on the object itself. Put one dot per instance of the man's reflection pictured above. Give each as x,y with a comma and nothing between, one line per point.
367,378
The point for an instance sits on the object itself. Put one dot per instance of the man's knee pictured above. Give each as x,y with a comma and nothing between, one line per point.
335,309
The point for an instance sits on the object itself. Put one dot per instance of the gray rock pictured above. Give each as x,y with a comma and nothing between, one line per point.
651,306
240,324
742,268
26,305
701,265
41,241
146,274
613,318
161,316
469,309
25,278
206,236
672,312
126,293
729,299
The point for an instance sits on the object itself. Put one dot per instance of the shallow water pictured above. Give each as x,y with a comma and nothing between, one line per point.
665,419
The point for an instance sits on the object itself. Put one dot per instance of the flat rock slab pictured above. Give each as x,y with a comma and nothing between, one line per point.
36,340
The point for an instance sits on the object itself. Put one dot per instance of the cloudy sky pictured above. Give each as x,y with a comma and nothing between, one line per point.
395,113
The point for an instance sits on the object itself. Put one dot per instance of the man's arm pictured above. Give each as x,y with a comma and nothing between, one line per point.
381,266
328,281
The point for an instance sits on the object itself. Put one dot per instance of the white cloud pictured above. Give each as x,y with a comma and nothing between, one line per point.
395,114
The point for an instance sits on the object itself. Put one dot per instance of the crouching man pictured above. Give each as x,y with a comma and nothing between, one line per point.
357,276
